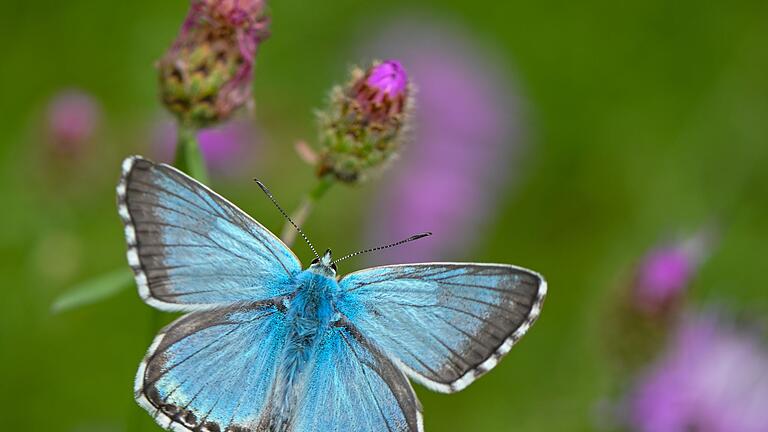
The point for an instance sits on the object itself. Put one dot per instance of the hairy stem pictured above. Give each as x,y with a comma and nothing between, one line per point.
188,156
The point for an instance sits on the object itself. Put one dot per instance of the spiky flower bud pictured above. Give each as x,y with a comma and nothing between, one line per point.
206,74
363,126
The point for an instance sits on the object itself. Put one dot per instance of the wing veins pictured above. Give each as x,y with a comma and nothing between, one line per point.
368,382
202,234
479,318
469,335
157,192
166,370
234,212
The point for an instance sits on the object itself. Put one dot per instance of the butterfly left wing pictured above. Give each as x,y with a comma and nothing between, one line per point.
355,387
445,324
213,370
190,248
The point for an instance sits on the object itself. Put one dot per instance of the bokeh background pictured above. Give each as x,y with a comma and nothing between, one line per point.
584,134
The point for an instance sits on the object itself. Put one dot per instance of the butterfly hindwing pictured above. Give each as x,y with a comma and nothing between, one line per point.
354,387
212,370
190,248
445,323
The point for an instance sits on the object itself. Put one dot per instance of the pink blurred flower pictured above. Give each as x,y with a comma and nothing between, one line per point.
228,149
713,378
73,116
665,272
464,148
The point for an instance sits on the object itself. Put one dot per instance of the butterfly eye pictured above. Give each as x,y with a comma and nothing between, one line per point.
333,266
315,261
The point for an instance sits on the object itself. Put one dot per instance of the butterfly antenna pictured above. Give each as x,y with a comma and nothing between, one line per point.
274,201
409,239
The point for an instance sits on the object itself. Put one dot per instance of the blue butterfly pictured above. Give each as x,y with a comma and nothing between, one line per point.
267,346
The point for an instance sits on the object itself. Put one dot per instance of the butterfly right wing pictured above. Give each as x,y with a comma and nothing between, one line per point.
446,324
191,249
213,370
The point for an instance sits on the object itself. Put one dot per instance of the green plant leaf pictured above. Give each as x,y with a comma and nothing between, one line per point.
93,290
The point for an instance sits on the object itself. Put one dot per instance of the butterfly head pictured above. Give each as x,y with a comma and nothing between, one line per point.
324,265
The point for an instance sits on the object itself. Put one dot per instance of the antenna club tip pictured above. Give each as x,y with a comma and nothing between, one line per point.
263,187
418,236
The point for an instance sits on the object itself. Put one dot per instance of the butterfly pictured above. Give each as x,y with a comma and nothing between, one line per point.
265,345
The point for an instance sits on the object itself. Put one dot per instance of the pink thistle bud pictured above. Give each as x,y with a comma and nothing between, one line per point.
206,74
364,125
384,88
235,13
72,116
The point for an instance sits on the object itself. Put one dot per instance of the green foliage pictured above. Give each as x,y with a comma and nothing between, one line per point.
94,290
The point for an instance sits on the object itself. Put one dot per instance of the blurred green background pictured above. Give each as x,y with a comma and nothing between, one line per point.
643,118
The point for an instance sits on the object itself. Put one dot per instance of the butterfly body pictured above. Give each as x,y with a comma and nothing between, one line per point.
309,314
266,346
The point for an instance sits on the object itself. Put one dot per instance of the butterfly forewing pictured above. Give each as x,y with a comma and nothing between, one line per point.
445,323
190,248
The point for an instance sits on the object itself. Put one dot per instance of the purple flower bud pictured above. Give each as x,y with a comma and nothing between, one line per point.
465,142
206,74
363,127
228,149
384,88
388,79
713,377
72,116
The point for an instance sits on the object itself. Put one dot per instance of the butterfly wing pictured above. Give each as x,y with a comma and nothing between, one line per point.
212,370
446,324
191,249
354,387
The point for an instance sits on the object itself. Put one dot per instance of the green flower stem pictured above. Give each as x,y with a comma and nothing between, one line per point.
304,209
189,158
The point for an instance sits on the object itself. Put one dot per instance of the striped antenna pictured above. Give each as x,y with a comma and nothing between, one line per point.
409,239
274,201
